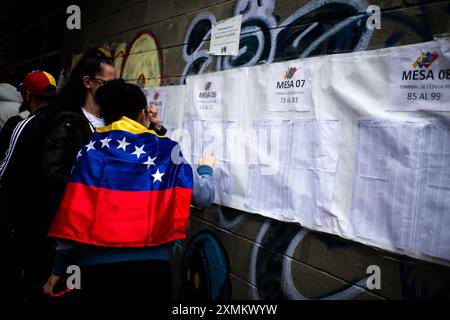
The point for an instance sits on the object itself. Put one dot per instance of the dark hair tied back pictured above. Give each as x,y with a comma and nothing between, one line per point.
73,94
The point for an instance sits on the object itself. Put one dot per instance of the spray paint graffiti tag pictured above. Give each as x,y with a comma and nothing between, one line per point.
205,270
319,27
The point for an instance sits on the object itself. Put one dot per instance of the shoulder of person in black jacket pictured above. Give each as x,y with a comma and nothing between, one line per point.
68,132
6,133
24,159
21,173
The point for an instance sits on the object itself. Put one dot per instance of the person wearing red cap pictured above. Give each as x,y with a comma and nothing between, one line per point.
40,84
20,178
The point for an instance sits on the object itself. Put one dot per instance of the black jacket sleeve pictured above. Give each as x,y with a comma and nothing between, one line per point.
161,132
6,133
68,133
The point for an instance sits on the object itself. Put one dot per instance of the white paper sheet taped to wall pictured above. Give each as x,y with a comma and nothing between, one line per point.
287,85
360,148
169,100
402,185
420,80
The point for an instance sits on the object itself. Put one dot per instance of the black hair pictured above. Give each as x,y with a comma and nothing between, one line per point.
118,98
73,94
41,99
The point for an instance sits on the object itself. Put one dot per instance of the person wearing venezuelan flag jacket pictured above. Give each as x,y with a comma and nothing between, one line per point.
126,203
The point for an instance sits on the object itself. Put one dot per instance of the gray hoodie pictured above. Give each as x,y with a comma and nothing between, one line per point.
10,101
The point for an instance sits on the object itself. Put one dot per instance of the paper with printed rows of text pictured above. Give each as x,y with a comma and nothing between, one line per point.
356,144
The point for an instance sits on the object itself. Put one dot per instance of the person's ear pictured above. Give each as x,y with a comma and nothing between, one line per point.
87,82
141,117
146,116
27,97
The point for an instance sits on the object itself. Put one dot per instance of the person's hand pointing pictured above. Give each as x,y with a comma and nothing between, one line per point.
208,159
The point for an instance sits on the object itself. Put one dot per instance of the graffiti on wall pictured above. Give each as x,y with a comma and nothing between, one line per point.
205,270
318,27
408,25
138,62
312,28
142,63
264,40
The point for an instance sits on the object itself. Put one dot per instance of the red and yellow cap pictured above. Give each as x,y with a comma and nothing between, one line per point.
40,83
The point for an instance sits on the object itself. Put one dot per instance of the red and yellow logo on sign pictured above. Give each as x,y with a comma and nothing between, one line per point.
425,59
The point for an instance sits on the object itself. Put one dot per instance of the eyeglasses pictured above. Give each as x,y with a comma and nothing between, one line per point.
102,82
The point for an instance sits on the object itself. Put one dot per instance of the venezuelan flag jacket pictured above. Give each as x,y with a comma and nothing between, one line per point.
129,188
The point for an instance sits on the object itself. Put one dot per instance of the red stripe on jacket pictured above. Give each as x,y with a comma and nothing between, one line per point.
113,218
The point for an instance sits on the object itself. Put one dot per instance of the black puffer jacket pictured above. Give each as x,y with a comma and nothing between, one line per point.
69,132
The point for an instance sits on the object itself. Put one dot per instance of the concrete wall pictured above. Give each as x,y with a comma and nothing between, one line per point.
238,255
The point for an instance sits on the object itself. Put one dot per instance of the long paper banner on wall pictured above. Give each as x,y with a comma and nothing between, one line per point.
356,144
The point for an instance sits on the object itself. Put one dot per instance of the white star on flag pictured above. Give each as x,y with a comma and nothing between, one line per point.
122,144
157,176
79,154
105,142
90,146
150,162
138,151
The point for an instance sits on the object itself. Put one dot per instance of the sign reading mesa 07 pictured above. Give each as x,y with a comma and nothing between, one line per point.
353,144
